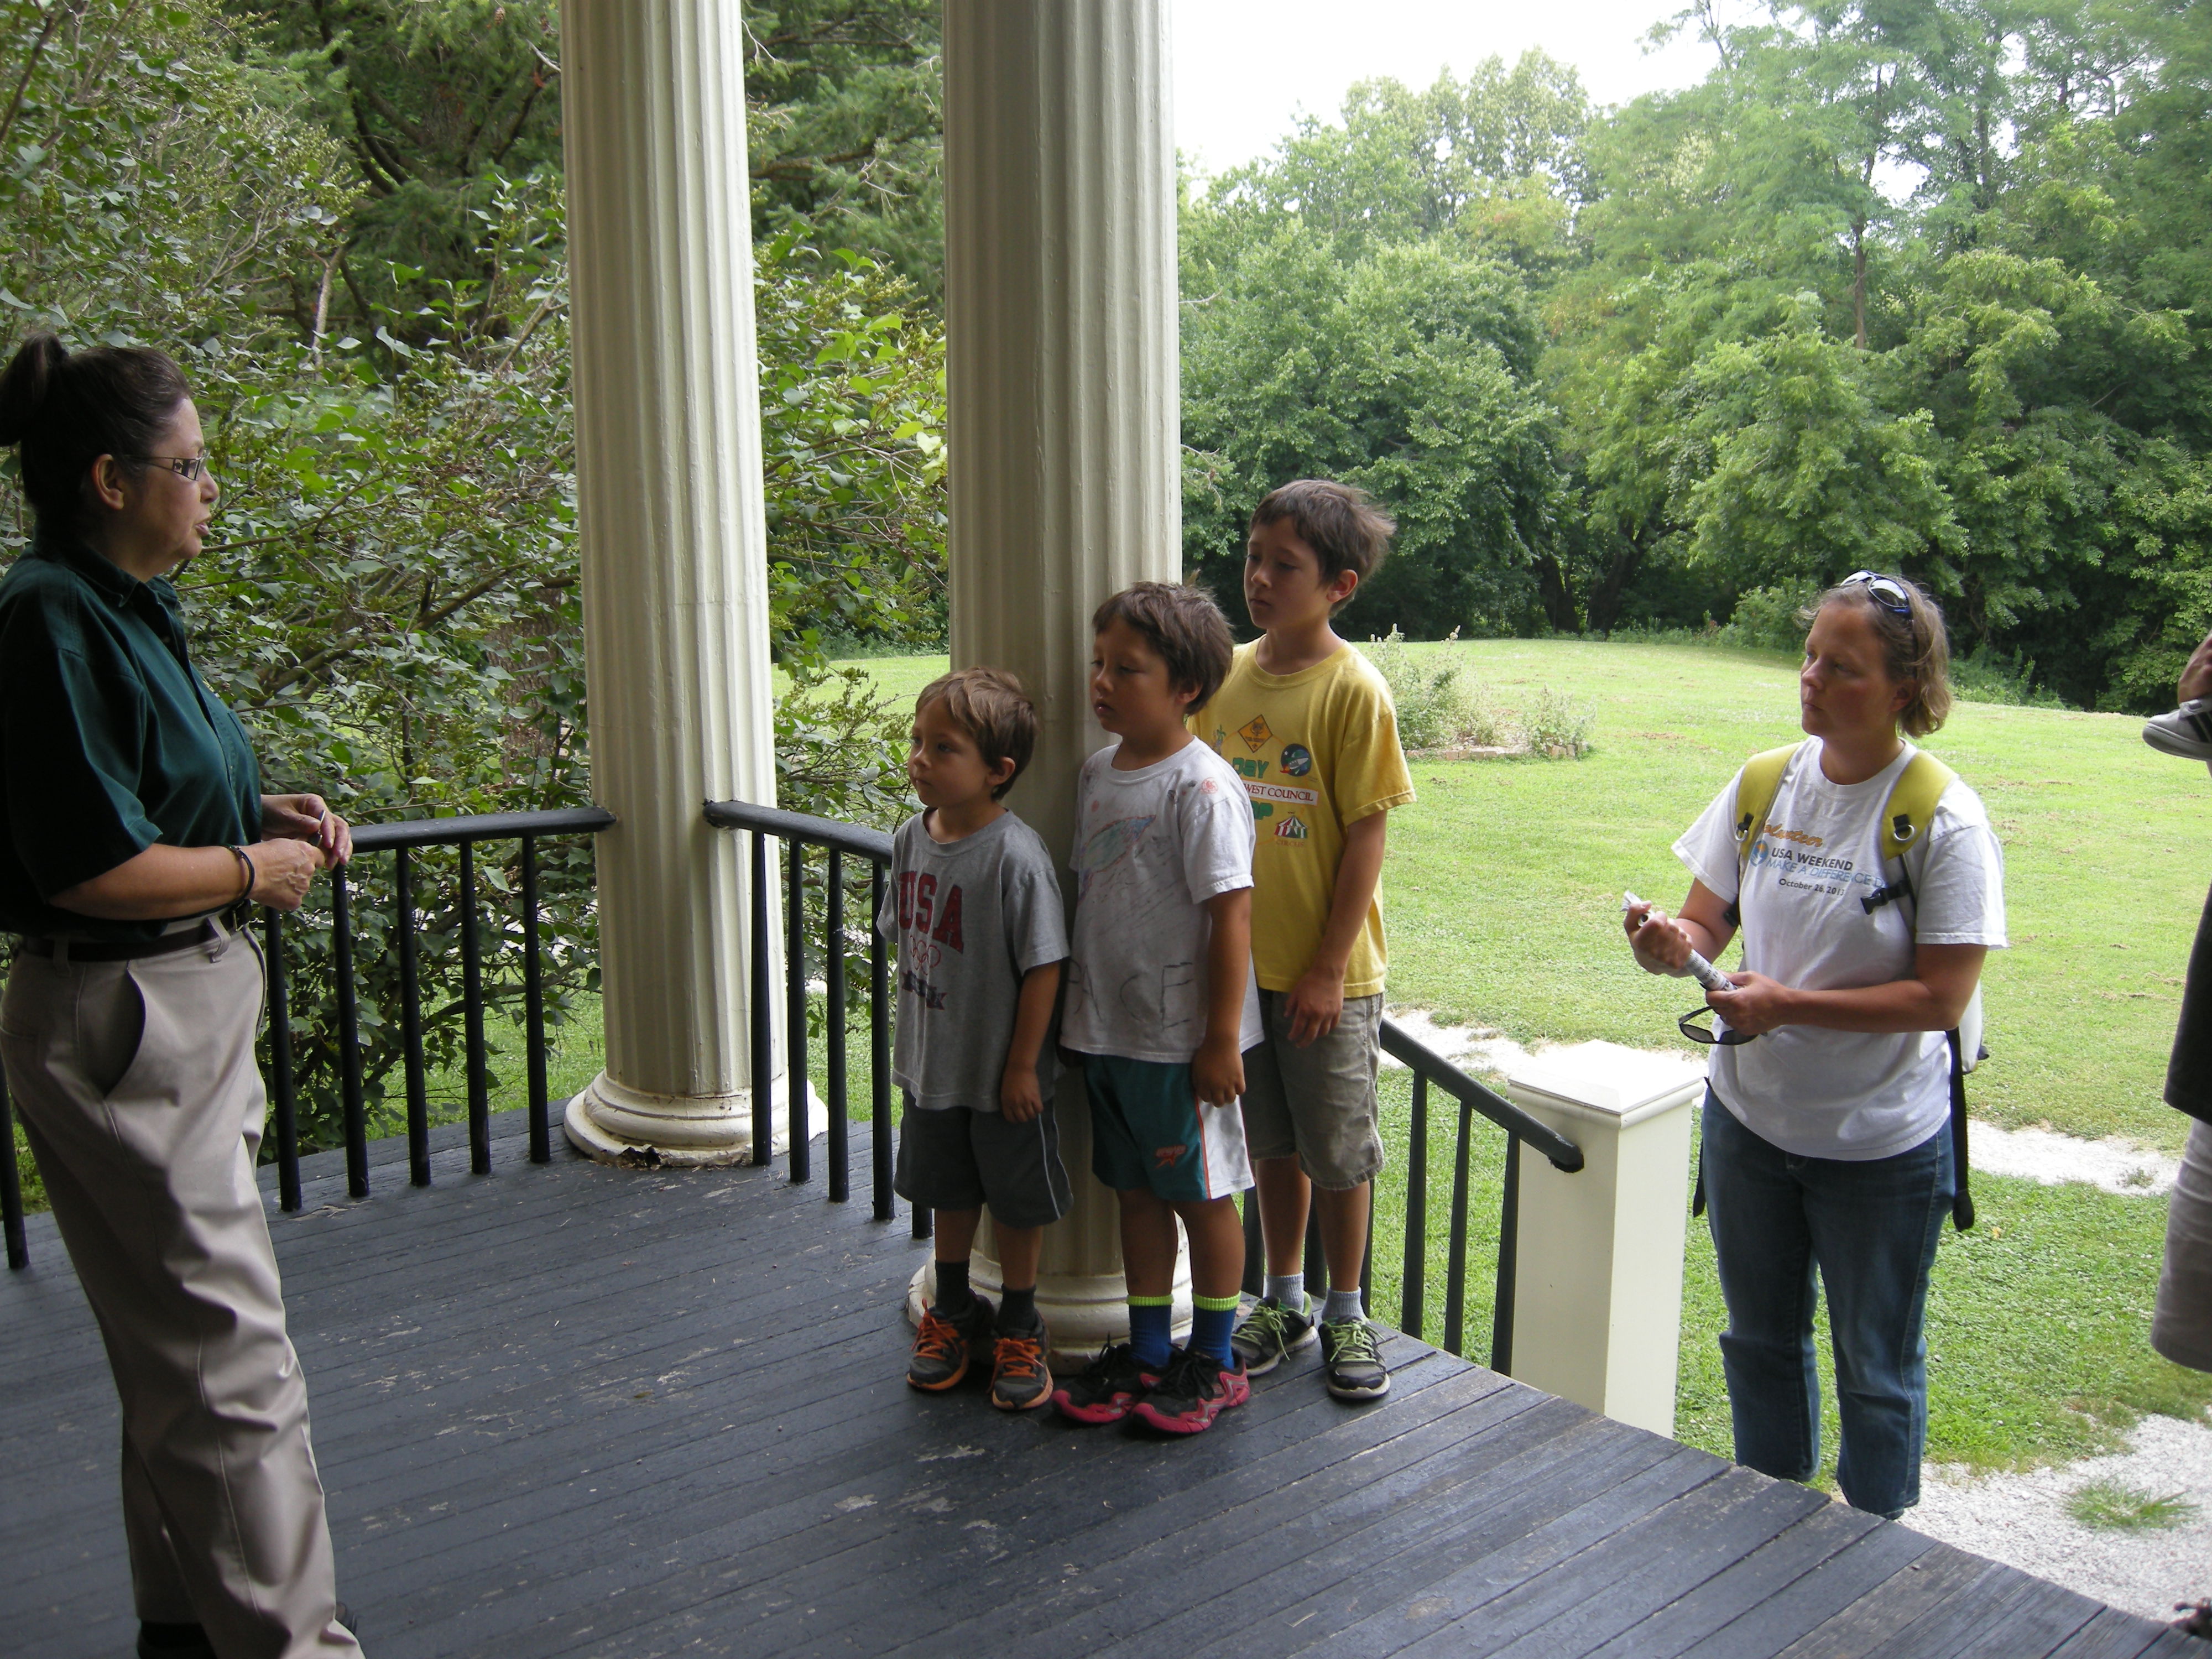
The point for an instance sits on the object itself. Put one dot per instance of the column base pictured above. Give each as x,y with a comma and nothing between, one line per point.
1082,1312
628,1127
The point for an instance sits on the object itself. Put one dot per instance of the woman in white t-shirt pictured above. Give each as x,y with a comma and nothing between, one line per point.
1825,1138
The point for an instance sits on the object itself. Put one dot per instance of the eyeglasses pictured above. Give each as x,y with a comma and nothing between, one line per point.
187,467
1724,1037
1887,592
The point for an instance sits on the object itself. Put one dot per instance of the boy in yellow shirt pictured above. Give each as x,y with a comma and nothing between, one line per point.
1307,722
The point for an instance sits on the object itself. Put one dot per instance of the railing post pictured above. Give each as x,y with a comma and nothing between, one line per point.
1597,1281
879,1047
411,1023
533,1010
350,1085
472,1020
833,977
763,1023
286,1101
1413,1284
795,1012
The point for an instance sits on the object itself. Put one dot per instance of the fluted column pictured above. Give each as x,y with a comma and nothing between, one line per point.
667,412
1060,290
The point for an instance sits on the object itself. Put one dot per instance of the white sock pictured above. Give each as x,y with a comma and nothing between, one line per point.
1289,1289
1342,1304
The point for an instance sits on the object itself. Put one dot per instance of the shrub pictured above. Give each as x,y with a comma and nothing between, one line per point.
1437,708
1556,726
1766,618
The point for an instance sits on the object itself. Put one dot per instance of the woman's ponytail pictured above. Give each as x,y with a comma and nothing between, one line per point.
25,385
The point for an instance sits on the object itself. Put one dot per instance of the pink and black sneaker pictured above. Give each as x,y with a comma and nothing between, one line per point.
1194,1389
1106,1390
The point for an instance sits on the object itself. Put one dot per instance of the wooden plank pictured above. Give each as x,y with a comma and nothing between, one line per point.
1516,1548
2115,1635
1930,1579
1810,1602
2041,1618
1642,1567
1690,1621
1037,1479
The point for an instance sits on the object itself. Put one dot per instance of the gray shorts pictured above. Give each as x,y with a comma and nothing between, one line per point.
2181,1320
1316,1104
955,1157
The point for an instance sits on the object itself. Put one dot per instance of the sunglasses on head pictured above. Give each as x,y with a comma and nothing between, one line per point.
1887,592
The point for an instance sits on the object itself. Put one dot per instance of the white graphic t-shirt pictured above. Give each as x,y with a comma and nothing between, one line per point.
1849,1095
1151,846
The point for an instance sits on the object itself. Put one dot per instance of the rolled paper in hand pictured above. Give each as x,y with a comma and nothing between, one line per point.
1699,969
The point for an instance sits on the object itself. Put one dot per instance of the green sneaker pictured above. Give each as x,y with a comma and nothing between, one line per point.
1270,1333
1352,1360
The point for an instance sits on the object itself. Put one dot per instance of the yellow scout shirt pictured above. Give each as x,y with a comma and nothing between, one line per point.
1317,750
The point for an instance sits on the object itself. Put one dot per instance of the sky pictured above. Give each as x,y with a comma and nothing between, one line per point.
1244,69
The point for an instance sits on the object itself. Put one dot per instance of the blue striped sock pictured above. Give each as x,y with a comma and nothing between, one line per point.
1151,1330
1211,1319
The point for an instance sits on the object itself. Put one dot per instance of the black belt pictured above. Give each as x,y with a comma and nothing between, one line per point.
232,920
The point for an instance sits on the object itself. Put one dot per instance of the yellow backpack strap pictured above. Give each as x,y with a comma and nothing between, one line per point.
1761,781
1913,803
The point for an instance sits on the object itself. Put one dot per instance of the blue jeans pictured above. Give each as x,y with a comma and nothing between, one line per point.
1871,1230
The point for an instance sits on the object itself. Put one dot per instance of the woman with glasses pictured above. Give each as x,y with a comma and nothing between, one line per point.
1827,1144
134,838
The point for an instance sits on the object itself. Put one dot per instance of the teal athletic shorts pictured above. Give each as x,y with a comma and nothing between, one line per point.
1148,1131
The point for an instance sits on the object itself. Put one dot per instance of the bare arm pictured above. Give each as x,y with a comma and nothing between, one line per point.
1317,1002
1942,984
1020,1096
164,882
1217,1069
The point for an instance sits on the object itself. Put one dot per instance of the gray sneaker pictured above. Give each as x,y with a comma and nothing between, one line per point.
1270,1333
2187,731
1352,1360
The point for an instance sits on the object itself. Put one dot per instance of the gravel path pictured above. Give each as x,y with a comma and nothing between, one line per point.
2022,1520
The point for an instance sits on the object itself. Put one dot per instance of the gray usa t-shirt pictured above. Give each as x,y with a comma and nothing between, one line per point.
971,918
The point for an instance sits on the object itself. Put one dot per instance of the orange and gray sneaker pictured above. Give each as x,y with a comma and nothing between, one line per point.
945,1349
1020,1379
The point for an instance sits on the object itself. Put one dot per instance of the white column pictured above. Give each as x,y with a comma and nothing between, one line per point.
675,545
1064,427
1597,1288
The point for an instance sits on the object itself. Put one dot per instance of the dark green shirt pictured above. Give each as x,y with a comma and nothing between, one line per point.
109,739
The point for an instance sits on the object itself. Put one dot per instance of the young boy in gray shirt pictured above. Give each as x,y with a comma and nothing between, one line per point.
975,911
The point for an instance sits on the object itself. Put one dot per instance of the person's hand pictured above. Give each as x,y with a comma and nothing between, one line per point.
1217,1073
306,818
282,868
1756,1005
2197,678
1019,1098
1314,1004
1661,944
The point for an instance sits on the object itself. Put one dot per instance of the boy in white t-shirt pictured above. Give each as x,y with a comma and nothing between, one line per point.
1162,1005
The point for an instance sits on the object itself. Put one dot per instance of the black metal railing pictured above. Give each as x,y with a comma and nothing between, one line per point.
402,840
819,854
1433,1071
836,841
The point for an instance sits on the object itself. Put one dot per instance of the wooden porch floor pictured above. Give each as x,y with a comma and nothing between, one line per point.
576,1410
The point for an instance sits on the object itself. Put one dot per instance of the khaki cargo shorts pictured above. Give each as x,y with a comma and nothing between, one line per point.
1316,1104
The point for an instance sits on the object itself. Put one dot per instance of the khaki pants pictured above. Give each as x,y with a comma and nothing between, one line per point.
138,1092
